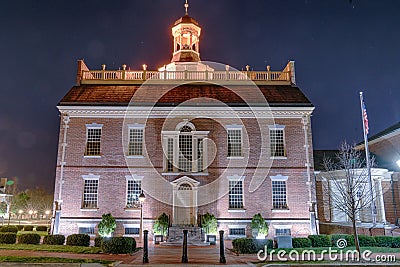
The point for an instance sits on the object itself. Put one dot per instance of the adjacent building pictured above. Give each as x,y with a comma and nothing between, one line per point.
194,137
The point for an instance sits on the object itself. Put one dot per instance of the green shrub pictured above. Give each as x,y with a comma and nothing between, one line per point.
97,241
250,245
54,240
118,245
107,225
8,238
349,239
9,229
301,242
209,223
383,241
259,224
28,228
78,240
29,239
41,228
366,241
20,227
160,226
320,240
396,242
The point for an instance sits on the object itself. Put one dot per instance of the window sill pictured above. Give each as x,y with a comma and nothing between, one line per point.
92,157
278,157
134,157
236,210
131,235
185,173
132,209
280,210
89,209
235,157
236,236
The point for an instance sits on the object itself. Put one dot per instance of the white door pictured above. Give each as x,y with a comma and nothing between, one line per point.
184,205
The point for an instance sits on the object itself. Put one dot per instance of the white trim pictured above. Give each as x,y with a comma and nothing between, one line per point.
234,126
134,177
134,157
185,122
86,225
278,157
90,176
89,209
94,126
236,177
276,127
280,211
92,157
136,126
282,226
237,210
235,157
279,177
131,225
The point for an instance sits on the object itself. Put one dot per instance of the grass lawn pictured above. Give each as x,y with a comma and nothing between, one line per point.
50,260
52,248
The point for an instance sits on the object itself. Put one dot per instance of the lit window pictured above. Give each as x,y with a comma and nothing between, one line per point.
135,147
237,231
131,230
234,142
285,231
199,155
93,136
279,195
185,149
86,230
133,192
235,194
170,155
90,192
277,141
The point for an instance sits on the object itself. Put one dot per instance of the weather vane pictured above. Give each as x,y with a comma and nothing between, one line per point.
186,7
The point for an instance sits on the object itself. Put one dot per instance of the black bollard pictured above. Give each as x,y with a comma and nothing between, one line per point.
221,247
184,252
145,247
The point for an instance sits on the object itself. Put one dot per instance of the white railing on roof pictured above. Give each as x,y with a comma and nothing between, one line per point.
126,75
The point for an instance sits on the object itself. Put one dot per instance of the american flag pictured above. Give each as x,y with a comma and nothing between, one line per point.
365,118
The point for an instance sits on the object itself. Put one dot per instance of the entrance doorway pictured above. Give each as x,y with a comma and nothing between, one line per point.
185,201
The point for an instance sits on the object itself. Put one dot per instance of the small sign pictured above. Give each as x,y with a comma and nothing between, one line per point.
11,182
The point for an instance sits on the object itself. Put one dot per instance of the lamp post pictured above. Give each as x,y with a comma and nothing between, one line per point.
142,198
19,216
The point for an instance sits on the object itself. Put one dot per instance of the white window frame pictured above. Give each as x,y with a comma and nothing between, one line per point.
234,127
174,135
282,227
131,225
93,126
135,178
236,178
279,178
282,128
90,177
240,226
135,126
88,225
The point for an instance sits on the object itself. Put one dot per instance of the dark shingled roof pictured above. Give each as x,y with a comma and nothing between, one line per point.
105,95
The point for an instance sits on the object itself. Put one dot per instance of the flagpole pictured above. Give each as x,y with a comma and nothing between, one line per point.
373,208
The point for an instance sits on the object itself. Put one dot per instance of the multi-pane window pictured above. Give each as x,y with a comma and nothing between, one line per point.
277,141
93,142
234,142
285,231
135,147
237,231
86,230
90,192
170,155
131,230
236,194
185,149
279,195
199,155
133,192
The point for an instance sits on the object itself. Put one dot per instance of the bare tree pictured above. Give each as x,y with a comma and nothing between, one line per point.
348,185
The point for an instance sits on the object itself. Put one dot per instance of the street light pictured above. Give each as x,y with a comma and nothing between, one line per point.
142,198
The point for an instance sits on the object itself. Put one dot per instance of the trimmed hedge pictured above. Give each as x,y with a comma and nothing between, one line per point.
29,239
41,228
384,241
349,239
78,240
396,242
320,240
28,228
366,241
118,245
20,227
8,238
301,242
54,240
9,229
97,241
250,245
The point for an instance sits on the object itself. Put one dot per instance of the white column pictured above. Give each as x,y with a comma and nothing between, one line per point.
381,201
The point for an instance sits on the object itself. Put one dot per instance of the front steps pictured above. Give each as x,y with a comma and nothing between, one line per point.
175,236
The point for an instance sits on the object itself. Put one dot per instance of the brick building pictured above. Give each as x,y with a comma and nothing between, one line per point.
194,137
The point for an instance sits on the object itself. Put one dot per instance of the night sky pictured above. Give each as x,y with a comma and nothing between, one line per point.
340,47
